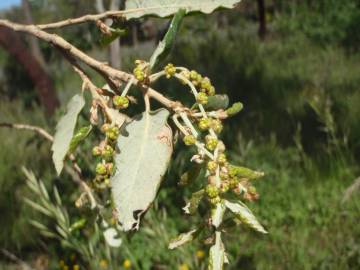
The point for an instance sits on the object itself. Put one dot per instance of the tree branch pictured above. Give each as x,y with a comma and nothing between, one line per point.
110,74
75,172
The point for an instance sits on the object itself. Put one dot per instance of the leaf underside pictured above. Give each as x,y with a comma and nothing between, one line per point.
65,130
145,150
164,8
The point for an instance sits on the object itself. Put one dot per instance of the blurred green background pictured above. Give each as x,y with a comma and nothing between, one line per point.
299,81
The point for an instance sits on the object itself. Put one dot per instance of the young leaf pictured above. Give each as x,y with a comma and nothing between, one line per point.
245,215
182,239
115,33
145,149
79,137
217,254
64,131
164,8
166,44
217,214
194,202
217,102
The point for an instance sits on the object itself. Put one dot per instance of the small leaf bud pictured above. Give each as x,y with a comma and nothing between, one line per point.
202,98
120,102
189,139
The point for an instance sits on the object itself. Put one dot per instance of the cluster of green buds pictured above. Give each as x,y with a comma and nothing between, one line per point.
141,70
120,102
105,150
169,70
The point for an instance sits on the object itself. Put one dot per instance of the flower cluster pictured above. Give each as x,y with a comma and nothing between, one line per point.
105,150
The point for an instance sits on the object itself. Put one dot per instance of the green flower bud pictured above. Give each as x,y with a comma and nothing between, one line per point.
96,151
234,109
211,142
212,166
101,169
193,75
170,70
202,98
205,83
211,91
216,125
222,159
204,123
112,133
212,191
189,140
108,153
120,102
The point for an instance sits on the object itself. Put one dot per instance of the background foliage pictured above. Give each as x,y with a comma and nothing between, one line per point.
300,124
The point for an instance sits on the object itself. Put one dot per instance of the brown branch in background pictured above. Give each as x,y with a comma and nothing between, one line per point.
74,172
355,186
103,69
42,82
262,18
17,260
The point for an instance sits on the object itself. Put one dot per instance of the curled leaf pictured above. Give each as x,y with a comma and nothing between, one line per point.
217,254
182,239
194,202
244,214
64,131
217,214
79,137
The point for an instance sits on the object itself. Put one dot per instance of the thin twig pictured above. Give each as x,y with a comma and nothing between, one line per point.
350,190
75,172
110,74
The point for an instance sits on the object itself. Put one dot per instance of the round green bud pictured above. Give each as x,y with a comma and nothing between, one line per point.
170,70
101,169
234,109
216,125
189,139
211,191
204,123
112,133
211,142
96,151
222,159
193,75
212,166
202,98
211,91
108,153
205,83
120,102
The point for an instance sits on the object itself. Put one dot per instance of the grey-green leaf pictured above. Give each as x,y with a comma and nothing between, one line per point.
164,47
182,239
244,214
217,253
164,8
217,214
79,137
217,102
145,150
65,130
